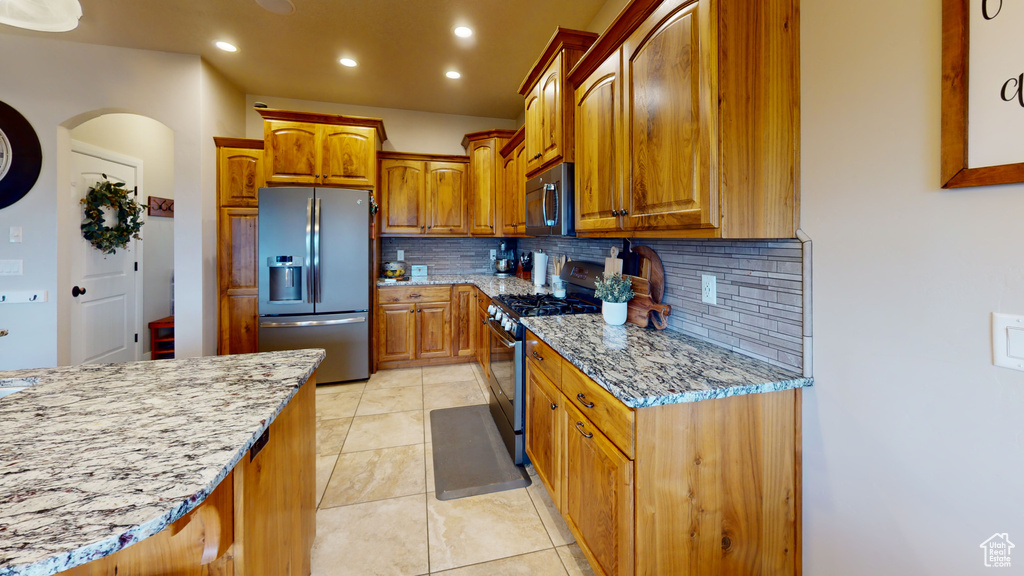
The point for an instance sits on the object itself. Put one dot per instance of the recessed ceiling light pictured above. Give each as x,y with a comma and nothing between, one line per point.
54,16
348,62
283,7
226,46
453,74
463,32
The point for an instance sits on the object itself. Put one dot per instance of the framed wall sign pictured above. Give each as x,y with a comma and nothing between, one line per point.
982,92
20,156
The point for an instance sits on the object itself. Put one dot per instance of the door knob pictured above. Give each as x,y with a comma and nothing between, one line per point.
76,291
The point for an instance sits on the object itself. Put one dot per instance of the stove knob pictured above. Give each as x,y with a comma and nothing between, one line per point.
491,309
509,324
499,315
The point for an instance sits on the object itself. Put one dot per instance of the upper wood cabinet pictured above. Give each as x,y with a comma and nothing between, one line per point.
423,194
239,171
548,106
321,149
512,192
687,122
486,178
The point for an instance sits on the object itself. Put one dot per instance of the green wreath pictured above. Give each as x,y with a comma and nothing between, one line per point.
108,239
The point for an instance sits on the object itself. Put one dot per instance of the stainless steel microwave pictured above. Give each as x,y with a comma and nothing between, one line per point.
550,202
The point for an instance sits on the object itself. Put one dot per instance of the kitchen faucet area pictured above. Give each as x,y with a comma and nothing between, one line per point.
467,288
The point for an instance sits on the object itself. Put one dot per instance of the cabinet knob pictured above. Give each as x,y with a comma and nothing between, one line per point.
624,212
423,227
411,311
615,212
553,405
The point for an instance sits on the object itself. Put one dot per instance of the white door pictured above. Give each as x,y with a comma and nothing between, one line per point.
104,315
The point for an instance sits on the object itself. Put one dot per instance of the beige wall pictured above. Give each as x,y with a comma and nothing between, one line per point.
153,143
408,130
913,440
605,15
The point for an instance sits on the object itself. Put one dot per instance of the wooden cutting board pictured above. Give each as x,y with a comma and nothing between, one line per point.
646,309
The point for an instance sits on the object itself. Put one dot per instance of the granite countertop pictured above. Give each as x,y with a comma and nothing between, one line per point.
492,285
645,367
96,457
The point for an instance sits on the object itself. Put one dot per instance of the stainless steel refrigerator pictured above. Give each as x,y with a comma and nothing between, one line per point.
314,276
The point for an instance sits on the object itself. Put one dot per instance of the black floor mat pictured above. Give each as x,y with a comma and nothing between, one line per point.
469,456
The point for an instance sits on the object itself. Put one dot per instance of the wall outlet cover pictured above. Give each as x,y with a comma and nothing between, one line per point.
709,289
1008,341
401,255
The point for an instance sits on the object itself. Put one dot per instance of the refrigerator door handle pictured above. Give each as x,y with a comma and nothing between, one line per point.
358,320
316,252
309,250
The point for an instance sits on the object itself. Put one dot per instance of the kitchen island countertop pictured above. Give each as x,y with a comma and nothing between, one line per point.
645,367
94,458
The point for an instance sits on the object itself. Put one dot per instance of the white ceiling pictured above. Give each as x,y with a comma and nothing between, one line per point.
403,47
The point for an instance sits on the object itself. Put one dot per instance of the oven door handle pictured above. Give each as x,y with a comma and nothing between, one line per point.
501,337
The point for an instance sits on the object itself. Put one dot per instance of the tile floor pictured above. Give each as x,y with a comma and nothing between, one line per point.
377,514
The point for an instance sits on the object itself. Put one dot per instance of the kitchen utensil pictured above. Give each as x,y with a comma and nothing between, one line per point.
504,265
393,268
613,265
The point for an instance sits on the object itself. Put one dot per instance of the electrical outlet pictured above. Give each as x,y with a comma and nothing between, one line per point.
401,255
494,255
709,289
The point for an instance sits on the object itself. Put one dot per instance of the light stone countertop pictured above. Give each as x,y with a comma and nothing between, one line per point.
94,458
639,366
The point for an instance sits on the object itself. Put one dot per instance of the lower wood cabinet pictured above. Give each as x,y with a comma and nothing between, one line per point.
238,279
426,325
465,324
483,334
709,487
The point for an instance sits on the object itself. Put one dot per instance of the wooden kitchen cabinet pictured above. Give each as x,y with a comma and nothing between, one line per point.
687,122
485,179
434,330
239,178
423,194
512,192
483,343
726,469
305,149
548,106
396,329
416,327
465,323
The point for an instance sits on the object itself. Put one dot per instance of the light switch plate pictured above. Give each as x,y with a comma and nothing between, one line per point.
11,267
401,255
1008,341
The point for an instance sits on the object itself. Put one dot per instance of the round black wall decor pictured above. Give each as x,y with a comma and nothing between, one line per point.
20,156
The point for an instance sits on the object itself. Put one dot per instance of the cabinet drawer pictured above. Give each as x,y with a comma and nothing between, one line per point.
414,294
544,358
608,413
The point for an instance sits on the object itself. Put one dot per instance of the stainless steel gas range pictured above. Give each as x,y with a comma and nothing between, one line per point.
508,351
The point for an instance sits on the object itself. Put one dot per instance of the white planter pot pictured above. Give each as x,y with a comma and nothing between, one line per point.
614,312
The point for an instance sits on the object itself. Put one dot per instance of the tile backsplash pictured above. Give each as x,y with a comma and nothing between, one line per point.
759,283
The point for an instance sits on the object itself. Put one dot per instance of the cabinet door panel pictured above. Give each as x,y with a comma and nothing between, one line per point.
348,156
446,198
464,320
598,495
241,176
545,420
521,194
396,328
290,152
237,280
668,133
434,323
598,154
482,164
551,111
239,331
403,197
509,198
534,127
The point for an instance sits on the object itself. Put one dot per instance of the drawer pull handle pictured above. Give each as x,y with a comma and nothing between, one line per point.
553,405
584,400
579,426
538,356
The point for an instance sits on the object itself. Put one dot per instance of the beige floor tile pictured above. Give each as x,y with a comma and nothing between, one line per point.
384,431
387,400
330,435
428,457
543,563
575,562
553,521
328,389
450,373
376,475
452,394
324,467
395,378
383,537
483,528
342,405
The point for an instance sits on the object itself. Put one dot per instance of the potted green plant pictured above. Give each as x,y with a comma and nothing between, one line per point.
615,293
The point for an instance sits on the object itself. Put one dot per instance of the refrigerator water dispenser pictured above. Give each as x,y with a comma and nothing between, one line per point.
285,279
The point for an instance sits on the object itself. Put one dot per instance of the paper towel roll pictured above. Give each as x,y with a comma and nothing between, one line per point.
540,268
